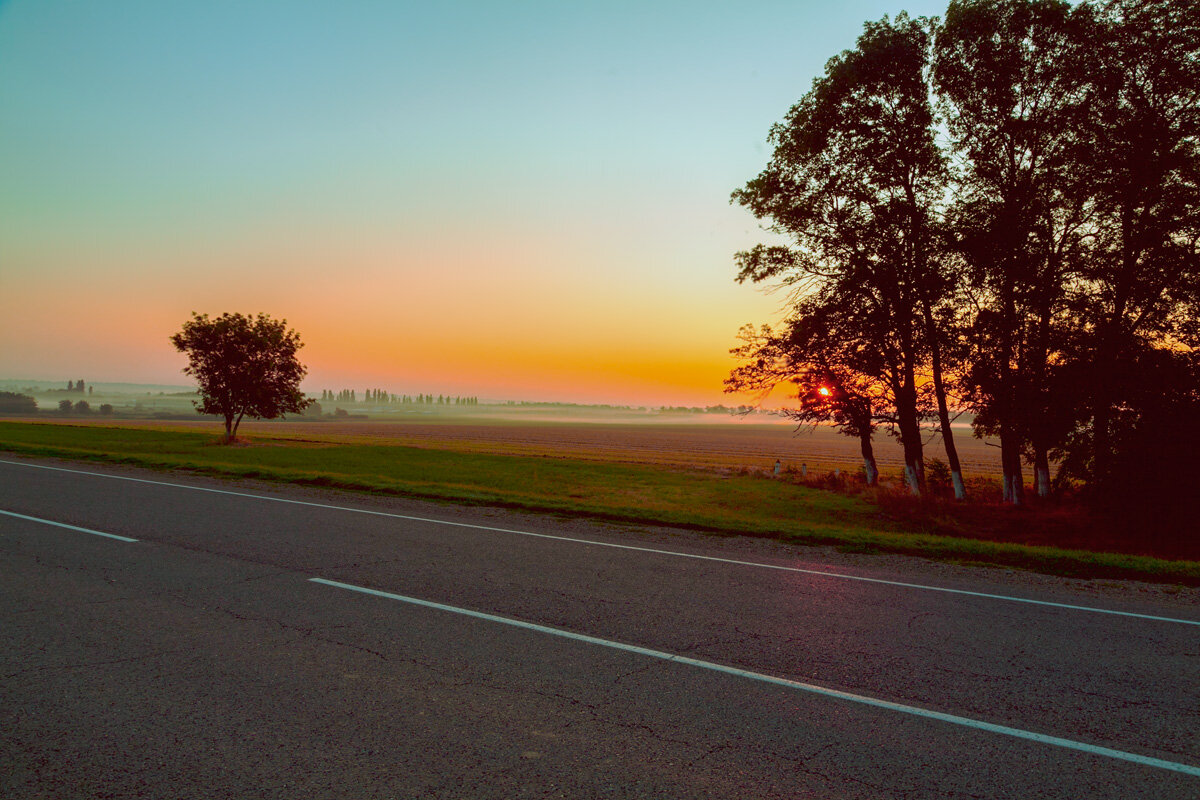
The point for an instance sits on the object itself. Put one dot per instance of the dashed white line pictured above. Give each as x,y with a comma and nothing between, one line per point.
656,551
65,525
967,722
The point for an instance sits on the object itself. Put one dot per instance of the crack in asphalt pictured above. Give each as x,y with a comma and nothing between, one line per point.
91,664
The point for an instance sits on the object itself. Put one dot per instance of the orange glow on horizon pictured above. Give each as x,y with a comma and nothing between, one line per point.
503,318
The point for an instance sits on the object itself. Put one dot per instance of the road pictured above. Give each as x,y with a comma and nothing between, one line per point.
258,641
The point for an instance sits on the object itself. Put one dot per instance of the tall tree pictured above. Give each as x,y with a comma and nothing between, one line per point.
245,366
853,183
1143,283
1012,77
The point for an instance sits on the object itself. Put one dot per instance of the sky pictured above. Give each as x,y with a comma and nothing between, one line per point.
511,200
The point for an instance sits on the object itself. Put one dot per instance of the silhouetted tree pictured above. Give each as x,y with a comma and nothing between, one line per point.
245,366
1143,281
1154,447
829,372
64,406
1013,79
854,183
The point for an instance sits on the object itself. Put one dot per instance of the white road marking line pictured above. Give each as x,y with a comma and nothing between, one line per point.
68,527
967,722
674,553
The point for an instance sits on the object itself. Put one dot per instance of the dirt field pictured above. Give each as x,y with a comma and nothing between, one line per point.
731,444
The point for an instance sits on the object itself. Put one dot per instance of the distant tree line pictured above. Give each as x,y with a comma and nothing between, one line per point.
16,403
997,211
82,408
380,396
719,409
76,387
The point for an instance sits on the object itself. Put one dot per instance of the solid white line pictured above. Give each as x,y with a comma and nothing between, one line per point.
656,551
966,722
68,527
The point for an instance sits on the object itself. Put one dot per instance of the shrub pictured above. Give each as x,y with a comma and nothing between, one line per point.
13,403
937,476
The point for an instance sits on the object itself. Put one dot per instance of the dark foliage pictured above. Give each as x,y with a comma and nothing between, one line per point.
245,366
14,403
1039,262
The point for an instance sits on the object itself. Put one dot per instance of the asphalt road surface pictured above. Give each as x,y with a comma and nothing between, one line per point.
258,641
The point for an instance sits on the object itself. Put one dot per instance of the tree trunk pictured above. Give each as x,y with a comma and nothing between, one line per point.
1040,439
1102,404
229,428
914,462
868,454
1010,459
939,391
1010,439
960,489
1041,472
907,419
1006,405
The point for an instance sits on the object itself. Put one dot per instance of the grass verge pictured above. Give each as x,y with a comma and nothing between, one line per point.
700,500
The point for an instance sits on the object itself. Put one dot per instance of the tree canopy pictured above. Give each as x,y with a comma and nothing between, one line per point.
244,365
1001,208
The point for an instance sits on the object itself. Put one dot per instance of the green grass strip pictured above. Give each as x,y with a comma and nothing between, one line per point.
699,500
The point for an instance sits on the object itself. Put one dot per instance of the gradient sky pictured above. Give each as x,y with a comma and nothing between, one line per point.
515,200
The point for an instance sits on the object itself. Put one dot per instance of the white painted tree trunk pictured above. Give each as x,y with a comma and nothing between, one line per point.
1043,482
960,489
910,477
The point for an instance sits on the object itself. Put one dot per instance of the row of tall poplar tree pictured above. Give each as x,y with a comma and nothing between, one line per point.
382,396
996,211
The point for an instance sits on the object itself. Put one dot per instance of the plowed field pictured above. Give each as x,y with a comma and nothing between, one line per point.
729,445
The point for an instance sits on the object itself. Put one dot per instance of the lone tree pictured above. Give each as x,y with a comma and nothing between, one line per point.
246,366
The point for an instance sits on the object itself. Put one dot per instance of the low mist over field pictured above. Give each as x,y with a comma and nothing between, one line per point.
708,437
131,399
